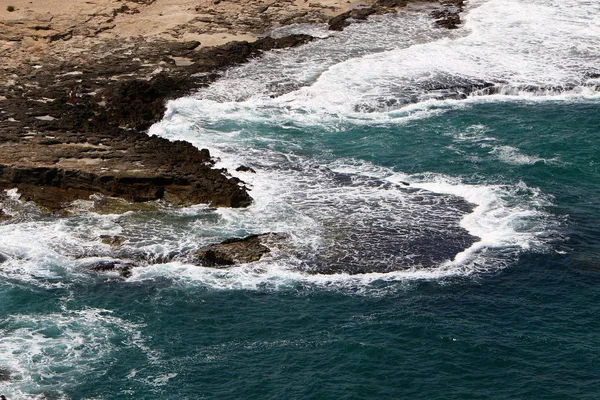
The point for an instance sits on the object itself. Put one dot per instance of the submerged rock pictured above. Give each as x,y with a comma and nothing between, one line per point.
122,259
113,205
238,250
121,267
110,240
244,168
5,375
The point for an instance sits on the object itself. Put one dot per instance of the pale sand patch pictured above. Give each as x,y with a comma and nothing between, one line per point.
43,31
167,19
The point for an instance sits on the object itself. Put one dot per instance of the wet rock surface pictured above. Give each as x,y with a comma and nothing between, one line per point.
68,135
238,250
381,247
114,241
123,259
448,15
341,21
245,168
120,267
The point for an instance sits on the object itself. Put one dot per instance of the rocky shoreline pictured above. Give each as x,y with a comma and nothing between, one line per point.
75,125
68,135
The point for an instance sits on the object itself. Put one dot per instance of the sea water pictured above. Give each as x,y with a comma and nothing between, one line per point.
440,189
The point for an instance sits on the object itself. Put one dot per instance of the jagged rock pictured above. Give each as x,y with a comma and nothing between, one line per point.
244,168
134,167
4,216
92,139
339,22
114,241
123,268
232,53
76,127
238,250
362,13
3,258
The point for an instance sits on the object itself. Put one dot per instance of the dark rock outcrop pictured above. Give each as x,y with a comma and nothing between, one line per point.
71,128
120,267
238,250
339,22
245,168
229,252
114,241
448,16
233,53
67,136
152,169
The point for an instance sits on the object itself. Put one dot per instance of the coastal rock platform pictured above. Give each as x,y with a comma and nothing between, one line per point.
69,135
80,88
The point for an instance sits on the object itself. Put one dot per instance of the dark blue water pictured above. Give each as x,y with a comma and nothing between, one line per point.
527,330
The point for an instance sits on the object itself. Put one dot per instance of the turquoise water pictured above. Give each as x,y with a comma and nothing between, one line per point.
478,280
530,330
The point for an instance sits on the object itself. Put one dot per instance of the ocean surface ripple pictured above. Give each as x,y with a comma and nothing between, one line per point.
440,192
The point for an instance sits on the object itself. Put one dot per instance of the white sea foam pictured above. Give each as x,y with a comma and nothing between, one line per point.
281,71
512,155
49,353
359,76
502,225
504,43
293,194
308,205
498,220
44,250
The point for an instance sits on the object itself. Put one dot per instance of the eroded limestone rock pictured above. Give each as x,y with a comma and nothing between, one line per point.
238,250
